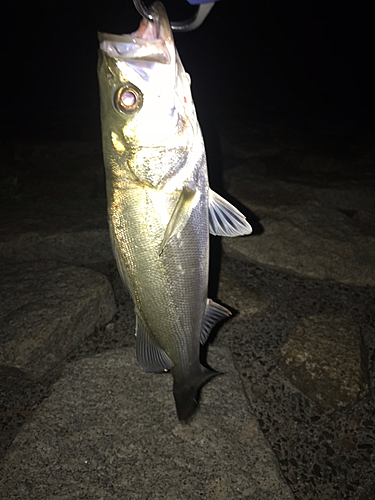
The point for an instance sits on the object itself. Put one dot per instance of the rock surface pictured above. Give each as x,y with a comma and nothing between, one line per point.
110,431
311,254
323,453
324,358
74,231
47,309
302,232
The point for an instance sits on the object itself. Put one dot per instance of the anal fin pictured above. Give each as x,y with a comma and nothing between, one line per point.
150,357
214,313
225,219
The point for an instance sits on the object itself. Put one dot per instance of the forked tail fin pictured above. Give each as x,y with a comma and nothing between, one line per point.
186,393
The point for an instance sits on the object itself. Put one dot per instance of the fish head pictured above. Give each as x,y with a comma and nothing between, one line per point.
147,110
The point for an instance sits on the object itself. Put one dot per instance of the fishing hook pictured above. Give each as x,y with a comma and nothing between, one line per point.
189,25
141,8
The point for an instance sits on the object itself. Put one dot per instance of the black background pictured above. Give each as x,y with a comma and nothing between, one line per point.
248,59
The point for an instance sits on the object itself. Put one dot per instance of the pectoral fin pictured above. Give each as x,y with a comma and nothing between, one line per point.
150,357
225,219
180,215
214,313
120,262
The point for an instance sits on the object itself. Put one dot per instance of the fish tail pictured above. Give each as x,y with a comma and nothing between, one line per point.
186,393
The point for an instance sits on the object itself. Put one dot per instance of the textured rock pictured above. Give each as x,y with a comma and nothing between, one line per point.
246,303
324,358
326,164
19,396
323,454
287,246
301,235
266,195
346,198
110,431
62,169
47,308
74,231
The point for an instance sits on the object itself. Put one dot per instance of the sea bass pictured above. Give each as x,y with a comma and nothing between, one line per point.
160,207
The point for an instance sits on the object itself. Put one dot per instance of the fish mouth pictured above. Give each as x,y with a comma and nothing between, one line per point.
152,41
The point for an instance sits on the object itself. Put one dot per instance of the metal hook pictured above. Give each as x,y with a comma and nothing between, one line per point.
195,21
141,8
181,26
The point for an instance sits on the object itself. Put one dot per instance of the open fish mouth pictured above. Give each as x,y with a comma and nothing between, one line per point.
151,42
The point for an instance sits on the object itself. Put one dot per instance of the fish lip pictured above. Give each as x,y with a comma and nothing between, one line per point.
159,28
152,41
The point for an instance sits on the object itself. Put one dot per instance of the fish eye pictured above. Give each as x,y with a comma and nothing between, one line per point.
128,100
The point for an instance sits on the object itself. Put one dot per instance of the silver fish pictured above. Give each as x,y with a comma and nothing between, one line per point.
160,207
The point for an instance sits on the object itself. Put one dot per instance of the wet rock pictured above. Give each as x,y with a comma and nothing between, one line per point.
110,431
324,358
48,308
74,231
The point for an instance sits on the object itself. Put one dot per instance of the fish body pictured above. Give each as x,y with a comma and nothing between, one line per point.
160,206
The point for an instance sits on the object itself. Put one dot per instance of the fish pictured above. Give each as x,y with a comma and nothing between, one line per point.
161,209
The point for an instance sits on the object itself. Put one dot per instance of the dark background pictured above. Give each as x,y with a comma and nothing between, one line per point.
250,60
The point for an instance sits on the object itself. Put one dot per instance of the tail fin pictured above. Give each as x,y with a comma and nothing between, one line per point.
186,393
